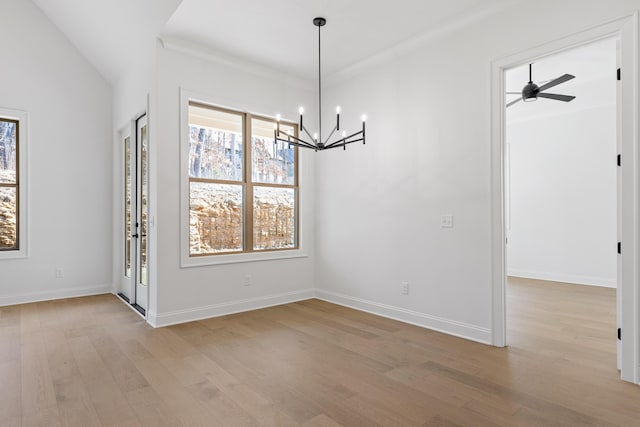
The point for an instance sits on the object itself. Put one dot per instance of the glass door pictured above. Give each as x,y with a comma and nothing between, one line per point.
142,208
136,216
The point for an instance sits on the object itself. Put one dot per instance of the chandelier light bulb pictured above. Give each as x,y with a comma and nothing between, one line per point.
301,110
315,136
364,117
338,109
344,134
278,117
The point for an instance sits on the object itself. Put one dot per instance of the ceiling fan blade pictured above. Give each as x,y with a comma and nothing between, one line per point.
556,82
555,96
513,102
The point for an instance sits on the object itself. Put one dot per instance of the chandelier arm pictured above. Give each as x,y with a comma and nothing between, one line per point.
341,144
335,128
346,138
307,132
299,141
303,145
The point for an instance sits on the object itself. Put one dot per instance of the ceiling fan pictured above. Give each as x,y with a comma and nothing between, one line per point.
532,91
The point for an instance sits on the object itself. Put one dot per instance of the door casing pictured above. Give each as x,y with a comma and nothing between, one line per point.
626,29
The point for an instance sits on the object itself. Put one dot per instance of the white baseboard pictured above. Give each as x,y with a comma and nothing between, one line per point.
566,278
447,326
29,297
181,316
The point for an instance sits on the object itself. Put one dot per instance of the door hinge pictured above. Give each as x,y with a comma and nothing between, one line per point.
619,160
618,73
620,333
619,247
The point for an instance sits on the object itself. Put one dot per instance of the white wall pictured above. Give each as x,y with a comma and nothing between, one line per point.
428,153
195,292
561,214
69,108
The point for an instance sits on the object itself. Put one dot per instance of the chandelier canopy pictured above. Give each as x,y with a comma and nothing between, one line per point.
316,142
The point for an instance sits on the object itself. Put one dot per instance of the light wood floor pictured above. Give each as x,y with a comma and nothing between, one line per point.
93,362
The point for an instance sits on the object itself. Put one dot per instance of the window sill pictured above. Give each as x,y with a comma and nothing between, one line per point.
202,261
19,254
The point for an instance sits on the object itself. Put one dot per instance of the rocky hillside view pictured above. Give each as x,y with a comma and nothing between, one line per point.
7,213
216,218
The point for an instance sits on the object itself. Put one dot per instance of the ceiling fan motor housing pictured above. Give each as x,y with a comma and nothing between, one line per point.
530,92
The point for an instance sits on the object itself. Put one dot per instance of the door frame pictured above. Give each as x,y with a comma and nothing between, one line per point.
131,130
626,28
124,290
140,289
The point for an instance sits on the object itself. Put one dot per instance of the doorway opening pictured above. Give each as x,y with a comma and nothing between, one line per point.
561,204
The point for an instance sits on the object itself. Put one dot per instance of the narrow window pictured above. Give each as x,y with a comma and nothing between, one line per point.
127,206
9,185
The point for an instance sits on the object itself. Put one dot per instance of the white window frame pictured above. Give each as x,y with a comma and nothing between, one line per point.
22,117
188,261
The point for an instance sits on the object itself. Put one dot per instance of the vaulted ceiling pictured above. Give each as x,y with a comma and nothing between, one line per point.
110,33
276,33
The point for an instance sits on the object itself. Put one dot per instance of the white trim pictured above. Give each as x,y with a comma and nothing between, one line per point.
440,324
30,297
23,194
626,28
189,315
204,52
201,261
565,278
187,261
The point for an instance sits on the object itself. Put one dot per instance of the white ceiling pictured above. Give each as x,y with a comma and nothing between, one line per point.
281,35
276,33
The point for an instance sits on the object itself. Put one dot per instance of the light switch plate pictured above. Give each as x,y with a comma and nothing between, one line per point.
446,221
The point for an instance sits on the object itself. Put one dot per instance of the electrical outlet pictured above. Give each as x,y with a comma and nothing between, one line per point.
247,280
446,221
59,273
405,288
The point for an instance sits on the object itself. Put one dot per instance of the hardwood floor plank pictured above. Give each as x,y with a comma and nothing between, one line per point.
321,421
75,407
150,409
107,398
47,417
10,391
38,395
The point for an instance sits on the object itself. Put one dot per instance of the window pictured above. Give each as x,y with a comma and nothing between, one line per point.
127,206
243,188
9,185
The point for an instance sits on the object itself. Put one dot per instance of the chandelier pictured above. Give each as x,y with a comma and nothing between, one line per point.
316,142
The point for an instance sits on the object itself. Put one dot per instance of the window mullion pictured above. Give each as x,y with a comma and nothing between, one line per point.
248,186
